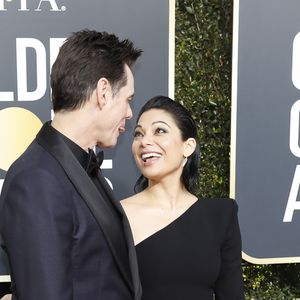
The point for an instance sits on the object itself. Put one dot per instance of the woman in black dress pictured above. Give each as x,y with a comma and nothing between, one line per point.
187,247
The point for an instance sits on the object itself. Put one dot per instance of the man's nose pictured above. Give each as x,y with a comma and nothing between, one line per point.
129,113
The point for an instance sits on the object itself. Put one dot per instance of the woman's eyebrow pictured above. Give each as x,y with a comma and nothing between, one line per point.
160,122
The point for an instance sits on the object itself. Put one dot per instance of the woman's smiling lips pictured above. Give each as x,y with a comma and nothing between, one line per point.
146,156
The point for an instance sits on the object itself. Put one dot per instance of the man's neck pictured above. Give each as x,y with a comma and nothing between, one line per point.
75,127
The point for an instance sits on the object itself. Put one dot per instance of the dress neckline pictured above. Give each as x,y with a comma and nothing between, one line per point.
178,219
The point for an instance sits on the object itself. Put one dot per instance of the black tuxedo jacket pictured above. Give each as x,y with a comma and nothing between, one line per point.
63,238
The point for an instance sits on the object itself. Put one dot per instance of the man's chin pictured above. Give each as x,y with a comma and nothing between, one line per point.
110,144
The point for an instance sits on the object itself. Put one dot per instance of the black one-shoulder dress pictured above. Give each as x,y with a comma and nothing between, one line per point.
196,257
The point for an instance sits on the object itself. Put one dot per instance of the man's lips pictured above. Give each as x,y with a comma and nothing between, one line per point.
122,129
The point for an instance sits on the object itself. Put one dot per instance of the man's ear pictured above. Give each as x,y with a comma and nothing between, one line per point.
189,147
102,89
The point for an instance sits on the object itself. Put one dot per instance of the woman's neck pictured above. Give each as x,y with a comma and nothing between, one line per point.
168,195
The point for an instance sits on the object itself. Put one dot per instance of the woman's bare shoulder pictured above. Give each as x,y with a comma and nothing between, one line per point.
132,200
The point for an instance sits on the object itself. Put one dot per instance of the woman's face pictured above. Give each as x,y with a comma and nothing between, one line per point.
157,146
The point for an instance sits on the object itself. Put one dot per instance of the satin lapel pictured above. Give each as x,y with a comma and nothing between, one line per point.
110,194
130,243
132,260
53,144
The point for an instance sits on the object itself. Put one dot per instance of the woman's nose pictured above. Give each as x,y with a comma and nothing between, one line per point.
147,139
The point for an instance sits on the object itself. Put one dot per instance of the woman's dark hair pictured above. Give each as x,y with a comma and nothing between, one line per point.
84,58
188,129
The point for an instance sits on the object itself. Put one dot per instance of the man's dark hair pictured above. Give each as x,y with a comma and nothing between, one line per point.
84,58
188,129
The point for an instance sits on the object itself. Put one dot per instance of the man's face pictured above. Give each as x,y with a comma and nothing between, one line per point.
117,110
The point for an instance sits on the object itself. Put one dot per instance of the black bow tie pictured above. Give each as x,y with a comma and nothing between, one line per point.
94,162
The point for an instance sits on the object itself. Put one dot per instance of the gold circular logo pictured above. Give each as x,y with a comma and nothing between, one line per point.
18,127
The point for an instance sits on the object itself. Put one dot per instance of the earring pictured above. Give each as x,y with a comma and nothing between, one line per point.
184,161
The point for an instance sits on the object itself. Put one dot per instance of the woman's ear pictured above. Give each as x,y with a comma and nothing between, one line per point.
102,88
189,147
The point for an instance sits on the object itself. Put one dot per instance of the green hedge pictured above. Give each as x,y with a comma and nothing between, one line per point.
202,81
203,85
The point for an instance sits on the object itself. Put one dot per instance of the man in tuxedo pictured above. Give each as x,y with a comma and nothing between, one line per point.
64,234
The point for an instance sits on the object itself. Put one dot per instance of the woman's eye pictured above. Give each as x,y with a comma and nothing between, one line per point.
137,134
160,130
